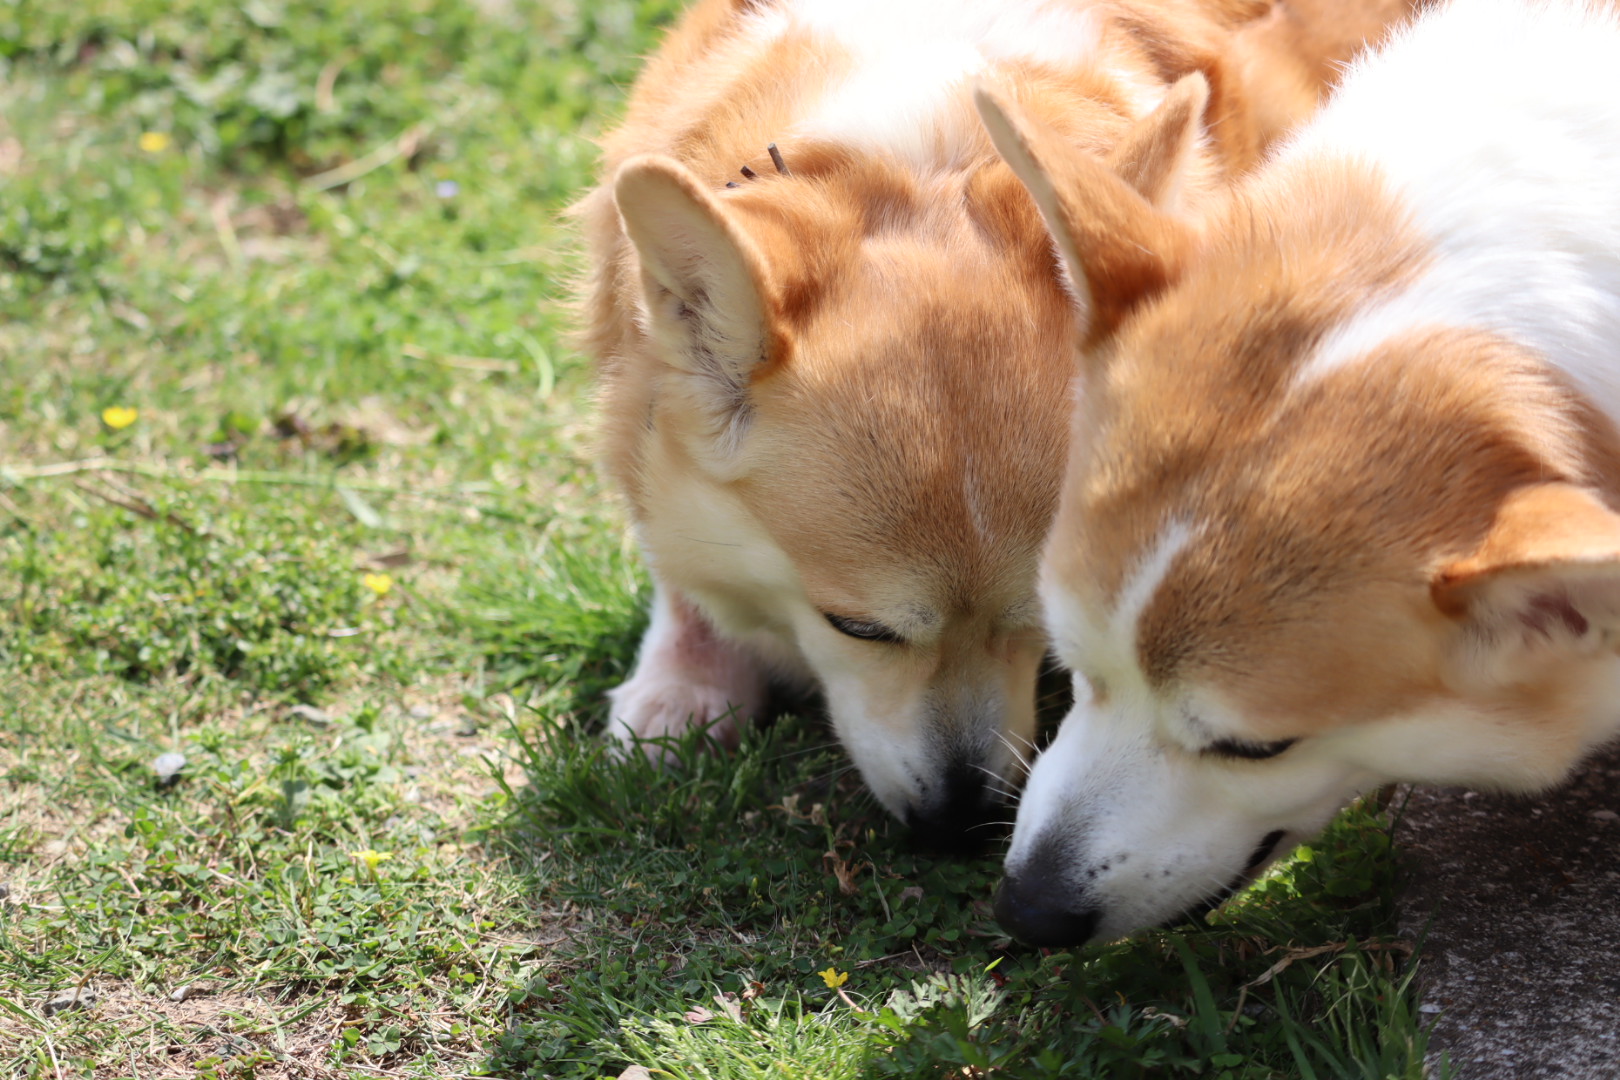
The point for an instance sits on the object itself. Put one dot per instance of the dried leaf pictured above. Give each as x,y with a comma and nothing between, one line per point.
844,871
697,1014
389,560
728,1002
1288,960
1174,1020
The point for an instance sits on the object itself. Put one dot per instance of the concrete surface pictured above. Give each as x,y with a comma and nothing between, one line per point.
1517,903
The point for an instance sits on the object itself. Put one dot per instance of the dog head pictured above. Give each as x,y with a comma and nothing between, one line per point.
853,442
1278,585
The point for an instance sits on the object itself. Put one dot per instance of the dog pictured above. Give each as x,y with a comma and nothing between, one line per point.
832,346
1341,502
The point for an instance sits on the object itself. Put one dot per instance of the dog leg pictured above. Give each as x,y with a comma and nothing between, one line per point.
686,676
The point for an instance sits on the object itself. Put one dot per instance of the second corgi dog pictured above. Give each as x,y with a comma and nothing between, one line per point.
1341,505
833,346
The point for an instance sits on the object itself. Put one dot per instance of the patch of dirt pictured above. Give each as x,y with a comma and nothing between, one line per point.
154,1037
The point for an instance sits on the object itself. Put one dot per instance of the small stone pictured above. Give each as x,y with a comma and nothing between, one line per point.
1428,1007
423,712
73,999
5,891
1605,815
168,767
467,728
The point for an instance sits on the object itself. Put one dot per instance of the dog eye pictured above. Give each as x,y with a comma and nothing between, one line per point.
1248,751
866,631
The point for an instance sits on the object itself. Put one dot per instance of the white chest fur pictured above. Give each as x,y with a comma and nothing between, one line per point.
1499,126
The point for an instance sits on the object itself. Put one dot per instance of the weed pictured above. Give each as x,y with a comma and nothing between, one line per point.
272,602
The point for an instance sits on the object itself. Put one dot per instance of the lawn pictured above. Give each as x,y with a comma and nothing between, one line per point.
296,484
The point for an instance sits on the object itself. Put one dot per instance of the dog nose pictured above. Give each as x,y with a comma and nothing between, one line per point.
955,816
1035,909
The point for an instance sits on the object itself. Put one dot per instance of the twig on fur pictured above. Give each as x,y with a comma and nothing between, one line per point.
749,174
776,159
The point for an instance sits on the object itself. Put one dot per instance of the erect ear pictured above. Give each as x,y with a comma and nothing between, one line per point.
1156,155
709,297
1548,573
1116,247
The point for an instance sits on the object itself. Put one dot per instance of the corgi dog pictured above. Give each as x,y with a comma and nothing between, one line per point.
1342,505
832,344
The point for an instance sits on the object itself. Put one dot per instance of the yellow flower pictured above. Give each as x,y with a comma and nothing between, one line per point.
834,978
372,858
154,142
379,583
119,417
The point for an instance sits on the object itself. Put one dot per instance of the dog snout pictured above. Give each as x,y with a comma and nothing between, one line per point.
954,813
1038,909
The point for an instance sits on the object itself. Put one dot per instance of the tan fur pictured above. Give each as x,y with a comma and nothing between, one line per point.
868,419
1342,504
1349,521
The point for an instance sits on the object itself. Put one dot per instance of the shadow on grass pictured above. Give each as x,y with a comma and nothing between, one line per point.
756,914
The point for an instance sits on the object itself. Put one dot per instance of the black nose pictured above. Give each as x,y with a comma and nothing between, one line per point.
1038,910
957,811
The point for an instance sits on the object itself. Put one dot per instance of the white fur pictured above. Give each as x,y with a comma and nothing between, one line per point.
1149,827
1498,124
1152,829
1102,645
1144,582
913,59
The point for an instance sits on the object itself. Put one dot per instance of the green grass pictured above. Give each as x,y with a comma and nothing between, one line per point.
352,560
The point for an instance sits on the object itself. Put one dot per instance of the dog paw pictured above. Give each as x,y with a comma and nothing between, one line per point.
687,676
646,709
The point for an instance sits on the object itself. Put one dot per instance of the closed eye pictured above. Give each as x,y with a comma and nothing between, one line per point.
1248,751
866,631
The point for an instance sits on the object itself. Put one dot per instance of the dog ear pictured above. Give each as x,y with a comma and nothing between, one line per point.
1547,575
1116,247
709,296
1155,156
